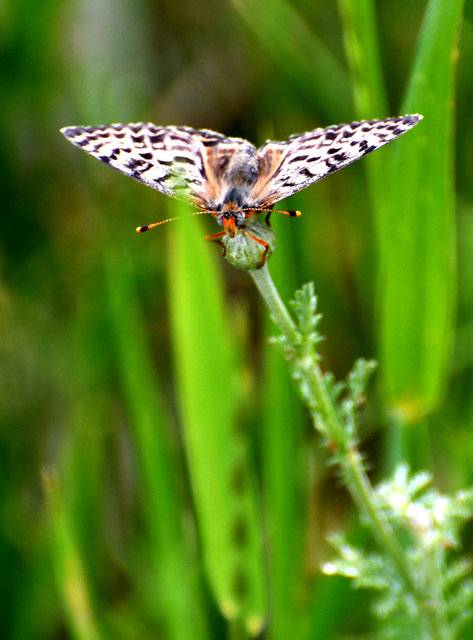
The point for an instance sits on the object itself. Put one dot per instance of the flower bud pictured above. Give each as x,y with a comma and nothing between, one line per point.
245,253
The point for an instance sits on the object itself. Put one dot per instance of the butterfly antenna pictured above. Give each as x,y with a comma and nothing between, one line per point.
153,225
286,212
292,213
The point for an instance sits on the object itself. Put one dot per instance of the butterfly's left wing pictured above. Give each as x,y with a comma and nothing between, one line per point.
180,162
289,166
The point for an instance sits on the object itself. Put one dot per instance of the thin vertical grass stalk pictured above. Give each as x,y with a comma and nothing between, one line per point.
325,413
67,564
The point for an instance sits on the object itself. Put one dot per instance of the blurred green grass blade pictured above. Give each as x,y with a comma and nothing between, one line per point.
67,564
38,607
173,582
463,359
83,454
416,228
362,51
334,601
282,429
299,54
222,481
364,58
281,464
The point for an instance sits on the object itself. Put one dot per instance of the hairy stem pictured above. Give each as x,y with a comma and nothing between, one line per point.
302,359
279,313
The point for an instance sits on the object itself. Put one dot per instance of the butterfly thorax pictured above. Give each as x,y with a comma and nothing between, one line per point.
239,174
241,169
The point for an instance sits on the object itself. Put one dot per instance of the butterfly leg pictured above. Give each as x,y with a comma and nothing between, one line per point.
267,219
215,237
261,242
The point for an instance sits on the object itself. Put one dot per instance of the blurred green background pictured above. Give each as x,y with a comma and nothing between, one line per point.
158,476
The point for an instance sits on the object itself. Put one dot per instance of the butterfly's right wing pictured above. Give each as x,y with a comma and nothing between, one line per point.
287,167
178,161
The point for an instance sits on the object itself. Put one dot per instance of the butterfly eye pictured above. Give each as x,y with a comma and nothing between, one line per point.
239,218
219,219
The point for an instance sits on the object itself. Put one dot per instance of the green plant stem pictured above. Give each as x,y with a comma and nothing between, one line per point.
439,622
279,313
348,456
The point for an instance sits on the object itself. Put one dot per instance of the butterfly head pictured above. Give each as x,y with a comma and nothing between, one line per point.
231,218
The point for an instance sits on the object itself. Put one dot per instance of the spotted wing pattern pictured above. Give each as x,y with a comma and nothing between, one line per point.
289,166
177,161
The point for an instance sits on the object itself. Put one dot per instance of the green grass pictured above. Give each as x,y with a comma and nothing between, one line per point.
184,493
417,228
208,390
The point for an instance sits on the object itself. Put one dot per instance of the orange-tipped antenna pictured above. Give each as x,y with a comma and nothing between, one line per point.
153,225
293,214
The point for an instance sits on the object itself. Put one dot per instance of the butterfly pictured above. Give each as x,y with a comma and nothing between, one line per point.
229,178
